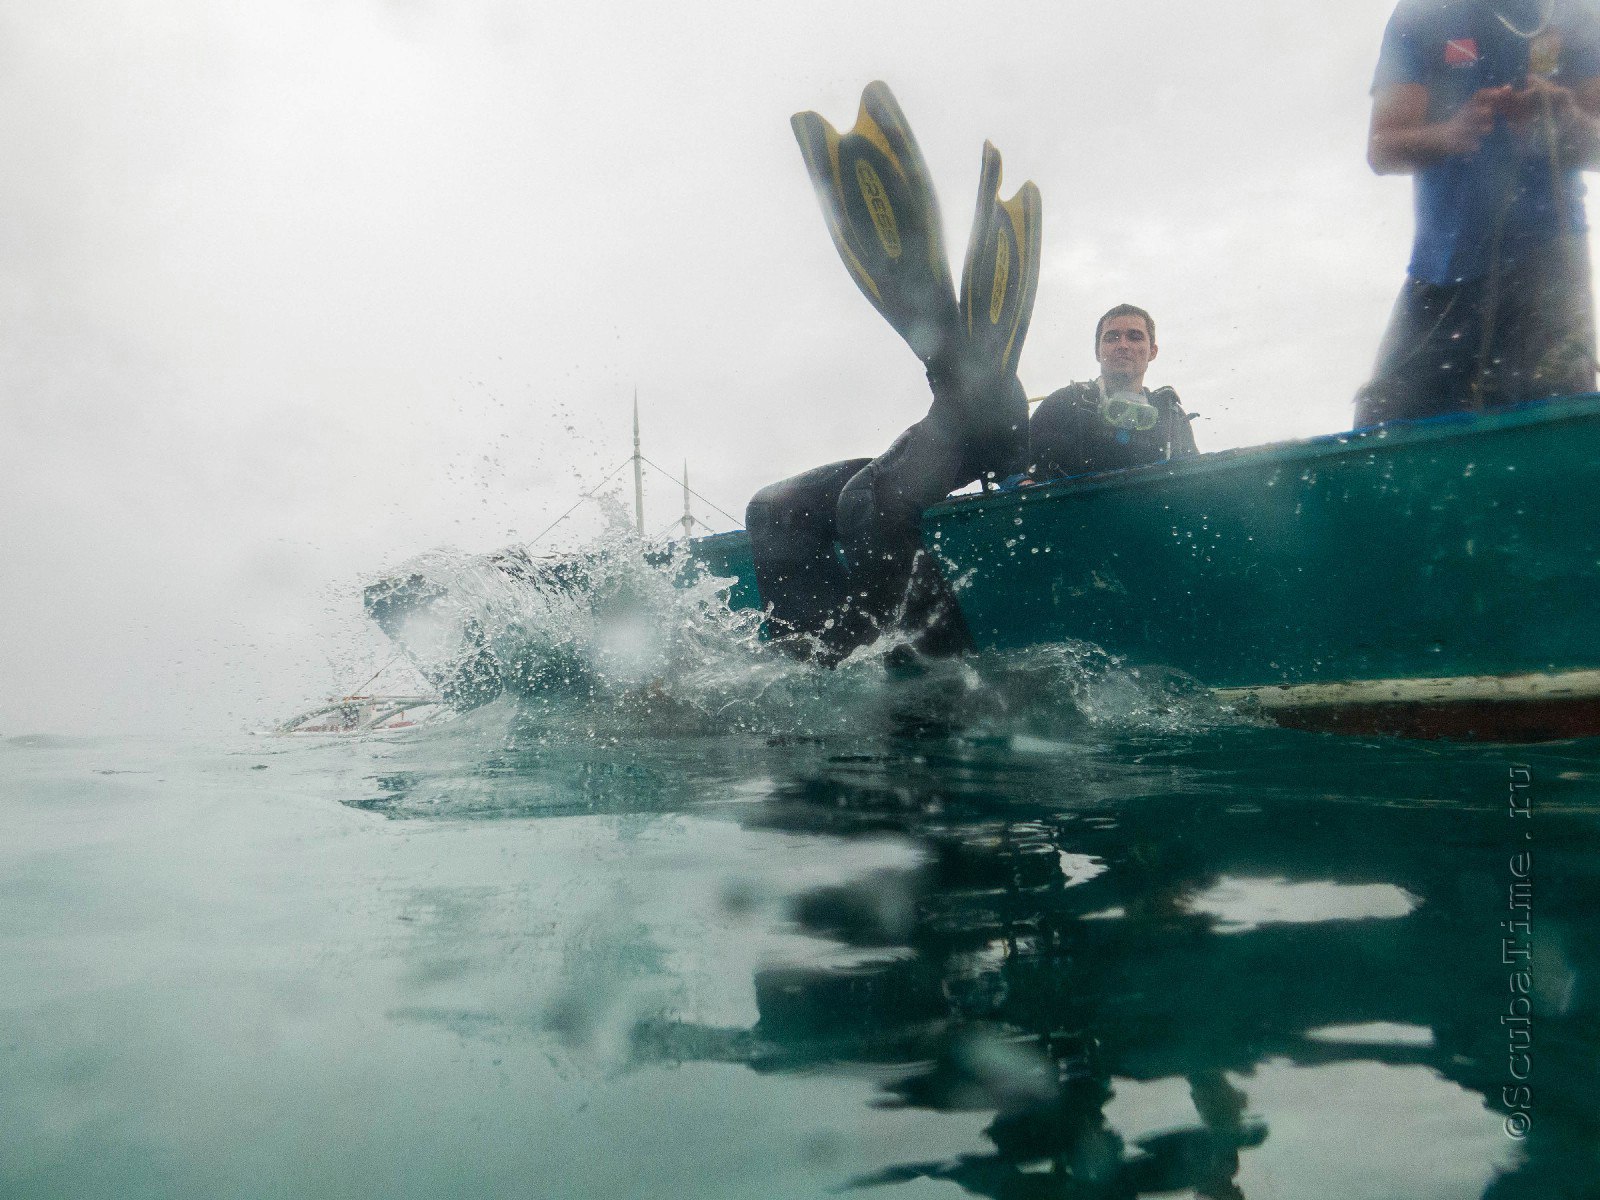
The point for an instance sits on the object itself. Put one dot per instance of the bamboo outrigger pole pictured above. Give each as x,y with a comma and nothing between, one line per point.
638,470
688,513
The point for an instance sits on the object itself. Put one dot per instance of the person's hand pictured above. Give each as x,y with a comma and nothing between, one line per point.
1474,120
1533,100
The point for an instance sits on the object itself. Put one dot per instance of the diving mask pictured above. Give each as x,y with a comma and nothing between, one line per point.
1128,410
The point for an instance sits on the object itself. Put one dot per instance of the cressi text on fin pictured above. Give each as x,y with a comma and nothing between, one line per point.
883,217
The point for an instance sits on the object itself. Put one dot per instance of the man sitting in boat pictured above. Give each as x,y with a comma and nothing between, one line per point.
1494,107
1114,421
1103,425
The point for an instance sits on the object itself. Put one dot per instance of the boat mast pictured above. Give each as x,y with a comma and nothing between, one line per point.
688,516
638,470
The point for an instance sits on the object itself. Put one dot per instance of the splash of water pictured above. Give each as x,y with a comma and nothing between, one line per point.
628,638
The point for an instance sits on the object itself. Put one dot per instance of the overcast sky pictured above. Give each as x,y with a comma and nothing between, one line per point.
290,291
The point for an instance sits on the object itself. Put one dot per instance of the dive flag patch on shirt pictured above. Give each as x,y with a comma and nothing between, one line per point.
1461,52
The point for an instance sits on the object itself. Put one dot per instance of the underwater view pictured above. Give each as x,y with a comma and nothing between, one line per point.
678,916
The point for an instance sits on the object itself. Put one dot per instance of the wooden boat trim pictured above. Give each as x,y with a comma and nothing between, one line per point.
1563,685
1532,707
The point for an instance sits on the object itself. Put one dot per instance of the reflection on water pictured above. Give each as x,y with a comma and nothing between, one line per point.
994,952
1225,963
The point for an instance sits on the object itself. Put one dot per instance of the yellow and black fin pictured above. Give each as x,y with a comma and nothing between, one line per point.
1001,274
884,217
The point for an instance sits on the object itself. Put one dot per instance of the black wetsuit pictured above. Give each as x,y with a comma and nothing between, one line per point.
835,548
1068,436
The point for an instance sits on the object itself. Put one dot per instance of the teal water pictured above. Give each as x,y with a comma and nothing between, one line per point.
688,919
508,958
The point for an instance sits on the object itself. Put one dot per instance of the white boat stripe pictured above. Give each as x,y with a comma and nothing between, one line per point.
1562,685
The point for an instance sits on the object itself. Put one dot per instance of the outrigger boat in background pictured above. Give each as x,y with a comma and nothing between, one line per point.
367,714
1428,579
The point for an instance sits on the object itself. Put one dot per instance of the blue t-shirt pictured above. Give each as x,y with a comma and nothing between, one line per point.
1453,48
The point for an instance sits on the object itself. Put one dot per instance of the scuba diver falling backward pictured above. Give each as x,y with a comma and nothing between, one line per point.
884,219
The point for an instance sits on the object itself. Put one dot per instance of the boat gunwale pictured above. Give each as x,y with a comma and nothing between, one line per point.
1393,436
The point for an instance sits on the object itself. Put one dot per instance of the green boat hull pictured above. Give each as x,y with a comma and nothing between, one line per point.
1432,578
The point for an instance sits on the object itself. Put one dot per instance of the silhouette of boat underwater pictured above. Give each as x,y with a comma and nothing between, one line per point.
1432,579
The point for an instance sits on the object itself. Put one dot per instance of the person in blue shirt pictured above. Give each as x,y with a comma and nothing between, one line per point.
1492,105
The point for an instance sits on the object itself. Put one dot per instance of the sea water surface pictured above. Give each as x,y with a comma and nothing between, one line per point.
1039,926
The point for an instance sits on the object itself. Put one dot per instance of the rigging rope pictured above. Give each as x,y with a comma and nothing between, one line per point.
589,495
394,658
689,489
